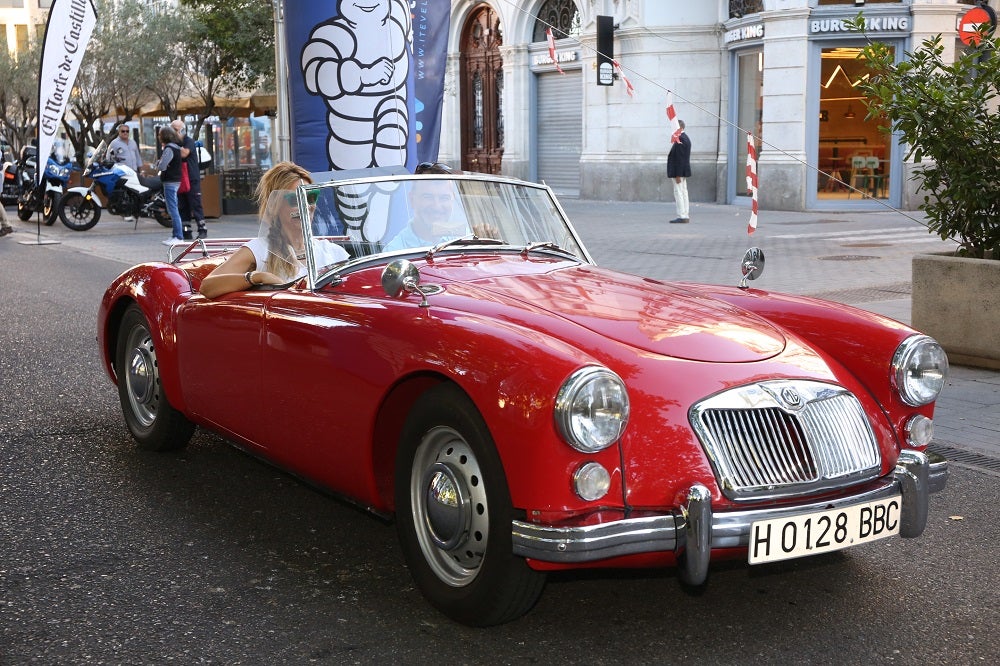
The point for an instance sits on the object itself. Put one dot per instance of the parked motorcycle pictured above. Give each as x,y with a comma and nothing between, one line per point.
44,195
24,170
125,192
10,188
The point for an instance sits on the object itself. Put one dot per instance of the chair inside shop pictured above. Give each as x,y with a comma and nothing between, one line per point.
860,174
876,178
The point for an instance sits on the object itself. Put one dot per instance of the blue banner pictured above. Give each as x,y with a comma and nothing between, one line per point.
365,82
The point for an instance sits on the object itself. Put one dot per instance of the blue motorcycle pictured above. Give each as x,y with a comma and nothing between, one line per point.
43,196
125,191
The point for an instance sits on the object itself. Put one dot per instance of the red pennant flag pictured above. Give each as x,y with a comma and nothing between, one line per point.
552,49
628,84
675,125
752,183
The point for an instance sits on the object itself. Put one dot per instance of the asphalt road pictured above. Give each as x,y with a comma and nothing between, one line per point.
109,555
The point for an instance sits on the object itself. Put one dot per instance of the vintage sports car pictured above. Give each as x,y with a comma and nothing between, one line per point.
466,368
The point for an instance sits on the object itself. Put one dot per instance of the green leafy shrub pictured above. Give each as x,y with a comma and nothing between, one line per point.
946,112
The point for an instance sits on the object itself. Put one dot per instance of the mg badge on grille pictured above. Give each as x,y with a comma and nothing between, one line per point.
791,397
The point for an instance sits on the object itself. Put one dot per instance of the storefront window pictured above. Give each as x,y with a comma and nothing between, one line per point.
749,109
243,142
854,156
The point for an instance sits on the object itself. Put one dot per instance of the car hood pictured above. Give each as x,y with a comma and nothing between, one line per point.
650,315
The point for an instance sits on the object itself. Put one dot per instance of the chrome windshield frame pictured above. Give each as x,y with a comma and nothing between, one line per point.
315,279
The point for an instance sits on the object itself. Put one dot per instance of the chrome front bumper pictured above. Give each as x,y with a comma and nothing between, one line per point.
695,530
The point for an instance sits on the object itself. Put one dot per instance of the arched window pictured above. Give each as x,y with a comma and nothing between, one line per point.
561,15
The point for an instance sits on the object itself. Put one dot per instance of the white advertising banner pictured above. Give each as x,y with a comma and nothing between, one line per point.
71,22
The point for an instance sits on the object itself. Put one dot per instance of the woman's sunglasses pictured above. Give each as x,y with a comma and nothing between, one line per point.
311,198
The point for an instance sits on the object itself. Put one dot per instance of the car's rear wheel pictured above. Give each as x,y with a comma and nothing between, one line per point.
453,514
153,422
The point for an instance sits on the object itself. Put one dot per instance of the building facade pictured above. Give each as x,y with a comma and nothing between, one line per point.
22,21
784,70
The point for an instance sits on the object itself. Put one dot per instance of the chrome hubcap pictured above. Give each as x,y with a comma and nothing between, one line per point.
450,510
141,378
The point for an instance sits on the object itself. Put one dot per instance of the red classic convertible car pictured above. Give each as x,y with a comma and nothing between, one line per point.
465,366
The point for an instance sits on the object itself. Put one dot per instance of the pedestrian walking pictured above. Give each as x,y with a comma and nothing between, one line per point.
169,167
679,170
189,203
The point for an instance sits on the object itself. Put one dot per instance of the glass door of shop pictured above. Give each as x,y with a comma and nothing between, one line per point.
854,157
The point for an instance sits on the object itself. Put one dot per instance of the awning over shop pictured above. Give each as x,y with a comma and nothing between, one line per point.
225,107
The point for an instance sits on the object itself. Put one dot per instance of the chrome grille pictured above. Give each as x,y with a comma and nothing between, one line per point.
786,438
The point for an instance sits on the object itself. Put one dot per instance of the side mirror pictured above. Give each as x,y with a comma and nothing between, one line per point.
400,276
752,266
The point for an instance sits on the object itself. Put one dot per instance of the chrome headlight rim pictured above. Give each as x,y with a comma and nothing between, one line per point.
912,387
568,421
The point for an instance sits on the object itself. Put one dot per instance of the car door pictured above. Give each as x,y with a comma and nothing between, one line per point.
325,381
219,356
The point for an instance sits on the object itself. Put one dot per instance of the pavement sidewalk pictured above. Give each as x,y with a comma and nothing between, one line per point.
857,258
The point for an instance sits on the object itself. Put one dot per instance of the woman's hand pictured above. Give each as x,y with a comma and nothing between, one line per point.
264,277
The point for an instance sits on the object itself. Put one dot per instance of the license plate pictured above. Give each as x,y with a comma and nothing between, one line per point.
823,531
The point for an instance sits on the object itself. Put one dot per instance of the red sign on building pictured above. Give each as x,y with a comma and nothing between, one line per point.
971,23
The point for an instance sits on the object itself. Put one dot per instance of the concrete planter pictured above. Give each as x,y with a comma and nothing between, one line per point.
957,302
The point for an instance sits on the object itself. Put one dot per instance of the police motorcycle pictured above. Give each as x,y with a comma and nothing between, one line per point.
126,193
44,196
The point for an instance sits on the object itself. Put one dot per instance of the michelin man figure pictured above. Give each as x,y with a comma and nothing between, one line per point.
359,62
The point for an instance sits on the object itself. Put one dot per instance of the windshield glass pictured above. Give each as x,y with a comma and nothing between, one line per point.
280,246
415,213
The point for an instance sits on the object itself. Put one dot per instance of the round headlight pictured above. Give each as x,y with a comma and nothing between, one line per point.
592,409
919,369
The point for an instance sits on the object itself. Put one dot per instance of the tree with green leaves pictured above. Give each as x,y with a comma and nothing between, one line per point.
19,95
231,49
946,114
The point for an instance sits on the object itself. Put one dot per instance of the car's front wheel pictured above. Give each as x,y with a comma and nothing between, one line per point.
153,422
453,514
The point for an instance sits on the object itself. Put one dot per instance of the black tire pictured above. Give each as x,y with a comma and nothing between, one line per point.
153,422
161,215
460,557
24,210
77,212
49,205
